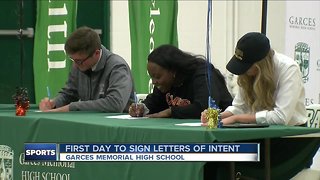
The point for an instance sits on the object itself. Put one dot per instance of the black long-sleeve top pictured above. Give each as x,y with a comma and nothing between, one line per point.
188,100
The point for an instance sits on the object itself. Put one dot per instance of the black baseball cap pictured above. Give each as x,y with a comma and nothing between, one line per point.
251,48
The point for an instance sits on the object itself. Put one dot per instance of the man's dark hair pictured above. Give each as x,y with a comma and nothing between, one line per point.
84,39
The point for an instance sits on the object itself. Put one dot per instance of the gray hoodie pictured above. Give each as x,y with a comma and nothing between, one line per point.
108,88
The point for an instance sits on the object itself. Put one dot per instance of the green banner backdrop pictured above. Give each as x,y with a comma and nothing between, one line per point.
55,21
152,23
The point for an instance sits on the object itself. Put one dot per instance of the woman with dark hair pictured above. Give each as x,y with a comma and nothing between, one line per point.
181,87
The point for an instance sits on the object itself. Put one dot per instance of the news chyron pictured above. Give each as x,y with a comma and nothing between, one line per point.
245,152
40,151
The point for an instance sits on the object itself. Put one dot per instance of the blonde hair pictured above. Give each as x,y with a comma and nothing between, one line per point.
258,90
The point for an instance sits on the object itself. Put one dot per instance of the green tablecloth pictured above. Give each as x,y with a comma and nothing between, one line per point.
91,127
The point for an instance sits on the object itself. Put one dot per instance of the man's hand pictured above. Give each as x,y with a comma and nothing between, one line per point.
46,104
60,109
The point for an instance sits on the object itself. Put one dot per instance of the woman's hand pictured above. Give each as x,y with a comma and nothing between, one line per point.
162,114
136,110
229,120
204,118
240,118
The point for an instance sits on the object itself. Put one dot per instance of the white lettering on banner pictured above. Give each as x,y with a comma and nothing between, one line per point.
35,175
55,176
58,11
54,47
55,64
58,28
152,27
52,29
32,175
45,163
151,30
23,162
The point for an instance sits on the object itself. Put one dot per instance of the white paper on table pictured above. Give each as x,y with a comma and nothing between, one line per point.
125,116
189,124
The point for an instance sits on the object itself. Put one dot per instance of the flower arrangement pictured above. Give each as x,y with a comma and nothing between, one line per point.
21,100
211,116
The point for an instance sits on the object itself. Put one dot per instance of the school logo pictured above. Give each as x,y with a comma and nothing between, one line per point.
6,162
313,115
302,57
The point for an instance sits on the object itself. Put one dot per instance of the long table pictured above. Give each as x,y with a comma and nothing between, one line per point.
93,127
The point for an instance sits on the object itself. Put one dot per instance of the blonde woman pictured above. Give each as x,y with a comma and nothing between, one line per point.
271,90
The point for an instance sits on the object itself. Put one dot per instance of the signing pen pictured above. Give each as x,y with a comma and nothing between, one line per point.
48,92
135,99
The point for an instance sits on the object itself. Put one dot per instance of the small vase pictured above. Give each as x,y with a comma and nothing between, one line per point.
21,108
20,111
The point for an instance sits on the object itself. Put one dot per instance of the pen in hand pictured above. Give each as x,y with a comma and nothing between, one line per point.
48,92
136,102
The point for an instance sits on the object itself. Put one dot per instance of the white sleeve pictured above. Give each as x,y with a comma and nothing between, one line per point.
238,106
288,92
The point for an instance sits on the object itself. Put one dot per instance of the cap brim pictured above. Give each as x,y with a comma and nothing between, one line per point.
237,66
